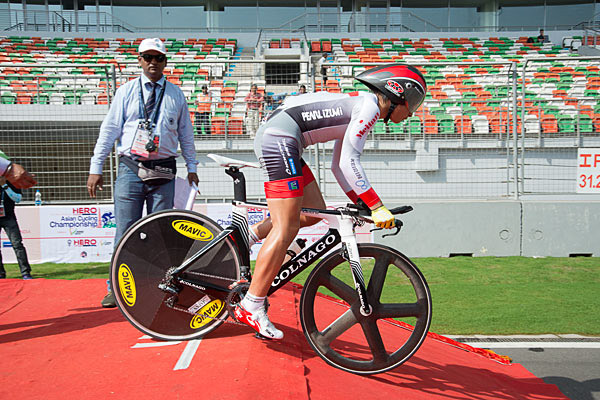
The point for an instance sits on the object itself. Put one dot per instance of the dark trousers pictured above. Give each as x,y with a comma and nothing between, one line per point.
203,122
11,227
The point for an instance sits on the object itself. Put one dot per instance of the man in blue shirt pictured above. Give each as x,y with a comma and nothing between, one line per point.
148,118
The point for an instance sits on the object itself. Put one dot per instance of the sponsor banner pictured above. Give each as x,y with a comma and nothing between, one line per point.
85,233
221,213
66,234
588,170
77,233
29,223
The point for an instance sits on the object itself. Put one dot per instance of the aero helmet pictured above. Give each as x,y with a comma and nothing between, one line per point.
401,83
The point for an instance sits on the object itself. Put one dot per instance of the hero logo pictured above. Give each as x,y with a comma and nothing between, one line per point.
85,210
368,126
394,87
83,243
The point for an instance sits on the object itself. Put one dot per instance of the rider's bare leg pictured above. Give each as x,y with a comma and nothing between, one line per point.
285,222
313,198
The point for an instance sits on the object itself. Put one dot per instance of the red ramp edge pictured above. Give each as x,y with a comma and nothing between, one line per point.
483,352
55,340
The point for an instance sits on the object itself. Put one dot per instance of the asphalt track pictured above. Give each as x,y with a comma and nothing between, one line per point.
56,342
571,362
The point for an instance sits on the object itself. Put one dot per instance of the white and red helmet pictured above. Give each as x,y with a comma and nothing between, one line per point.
401,83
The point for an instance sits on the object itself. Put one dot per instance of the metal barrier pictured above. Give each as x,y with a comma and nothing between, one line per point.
49,122
475,136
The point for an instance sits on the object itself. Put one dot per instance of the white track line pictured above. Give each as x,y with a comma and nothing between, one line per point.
153,344
538,345
188,354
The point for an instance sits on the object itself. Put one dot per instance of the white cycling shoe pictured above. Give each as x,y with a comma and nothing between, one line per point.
258,321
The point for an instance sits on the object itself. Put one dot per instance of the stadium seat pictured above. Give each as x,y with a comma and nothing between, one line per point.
532,124
463,124
430,125
480,124
445,124
566,124
218,125
549,123
235,125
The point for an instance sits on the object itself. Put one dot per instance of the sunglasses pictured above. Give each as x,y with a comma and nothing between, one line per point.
158,57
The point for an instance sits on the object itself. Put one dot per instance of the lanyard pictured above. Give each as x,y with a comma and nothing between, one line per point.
154,116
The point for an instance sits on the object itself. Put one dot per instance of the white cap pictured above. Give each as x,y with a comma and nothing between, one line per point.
152,44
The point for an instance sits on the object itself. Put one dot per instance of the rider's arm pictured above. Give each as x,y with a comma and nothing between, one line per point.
351,175
339,175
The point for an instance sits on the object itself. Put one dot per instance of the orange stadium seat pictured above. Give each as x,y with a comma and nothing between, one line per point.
463,124
218,125
549,123
235,125
430,125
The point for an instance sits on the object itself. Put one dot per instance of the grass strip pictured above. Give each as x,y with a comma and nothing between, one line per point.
479,295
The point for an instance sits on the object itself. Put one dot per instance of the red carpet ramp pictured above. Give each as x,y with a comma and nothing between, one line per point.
56,342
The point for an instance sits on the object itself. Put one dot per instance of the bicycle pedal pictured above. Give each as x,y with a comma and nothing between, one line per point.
261,337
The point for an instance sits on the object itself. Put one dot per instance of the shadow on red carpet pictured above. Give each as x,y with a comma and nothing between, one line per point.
56,341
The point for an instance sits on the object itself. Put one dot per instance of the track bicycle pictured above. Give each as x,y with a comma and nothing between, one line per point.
177,275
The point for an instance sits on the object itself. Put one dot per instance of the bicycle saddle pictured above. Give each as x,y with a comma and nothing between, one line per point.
230,162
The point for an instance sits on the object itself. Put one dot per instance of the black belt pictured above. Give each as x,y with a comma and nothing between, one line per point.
163,162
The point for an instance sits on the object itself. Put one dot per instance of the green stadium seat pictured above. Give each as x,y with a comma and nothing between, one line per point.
566,124
586,124
445,124
413,125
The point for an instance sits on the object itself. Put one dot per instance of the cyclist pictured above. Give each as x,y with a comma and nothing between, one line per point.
397,92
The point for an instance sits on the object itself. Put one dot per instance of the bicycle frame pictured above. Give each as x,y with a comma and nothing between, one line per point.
341,231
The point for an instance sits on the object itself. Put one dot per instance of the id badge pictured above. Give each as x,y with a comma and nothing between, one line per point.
138,147
2,213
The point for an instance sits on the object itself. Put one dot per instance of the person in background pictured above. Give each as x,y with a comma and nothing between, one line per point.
269,104
203,105
302,89
323,68
15,173
254,104
148,118
9,196
541,37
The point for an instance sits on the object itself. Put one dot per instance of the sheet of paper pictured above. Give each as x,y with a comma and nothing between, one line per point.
185,194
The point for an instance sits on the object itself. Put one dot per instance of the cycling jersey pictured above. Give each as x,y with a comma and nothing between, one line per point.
303,120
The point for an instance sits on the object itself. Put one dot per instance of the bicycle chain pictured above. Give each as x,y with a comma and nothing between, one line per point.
210,276
170,302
